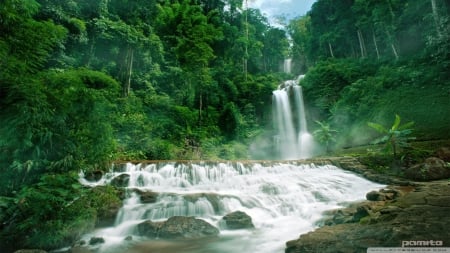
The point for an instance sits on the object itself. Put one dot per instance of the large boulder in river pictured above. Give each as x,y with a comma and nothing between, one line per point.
147,197
93,176
178,227
432,169
30,251
238,220
121,180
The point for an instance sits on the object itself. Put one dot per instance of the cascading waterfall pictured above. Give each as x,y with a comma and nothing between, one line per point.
292,140
283,199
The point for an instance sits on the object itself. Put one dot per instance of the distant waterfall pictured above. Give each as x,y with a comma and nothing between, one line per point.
287,66
292,140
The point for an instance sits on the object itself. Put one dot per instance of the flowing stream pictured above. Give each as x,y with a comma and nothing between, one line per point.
284,200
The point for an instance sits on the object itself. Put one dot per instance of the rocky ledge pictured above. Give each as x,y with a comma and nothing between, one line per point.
390,217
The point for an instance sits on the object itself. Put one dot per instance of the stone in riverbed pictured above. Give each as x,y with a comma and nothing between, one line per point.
96,240
30,251
177,227
121,180
238,220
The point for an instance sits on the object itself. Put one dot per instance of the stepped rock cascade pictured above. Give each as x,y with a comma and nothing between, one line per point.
292,140
283,200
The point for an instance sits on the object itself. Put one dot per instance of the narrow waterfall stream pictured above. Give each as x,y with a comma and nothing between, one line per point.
284,200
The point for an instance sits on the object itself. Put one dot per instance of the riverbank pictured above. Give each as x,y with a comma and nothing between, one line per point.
420,212
405,212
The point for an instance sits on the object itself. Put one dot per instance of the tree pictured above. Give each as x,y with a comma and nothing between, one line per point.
229,121
325,135
395,137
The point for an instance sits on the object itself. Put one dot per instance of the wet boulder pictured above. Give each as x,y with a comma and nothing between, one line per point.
121,180
147,196
30,251
178,227
96,240
149,228
238,220
93,176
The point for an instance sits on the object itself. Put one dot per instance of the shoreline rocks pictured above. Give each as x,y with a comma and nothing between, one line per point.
421,212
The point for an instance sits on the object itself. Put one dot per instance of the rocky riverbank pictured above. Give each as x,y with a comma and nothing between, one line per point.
405,212
416,213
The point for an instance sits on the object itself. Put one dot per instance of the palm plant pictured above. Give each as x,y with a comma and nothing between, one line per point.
325,134
395,137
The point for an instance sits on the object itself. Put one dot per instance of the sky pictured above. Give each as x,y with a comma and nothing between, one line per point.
287,8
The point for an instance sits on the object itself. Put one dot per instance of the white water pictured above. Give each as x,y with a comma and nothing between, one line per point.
292,140
287,66
283,199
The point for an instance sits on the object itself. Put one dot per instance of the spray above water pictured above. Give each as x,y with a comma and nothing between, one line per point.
293,141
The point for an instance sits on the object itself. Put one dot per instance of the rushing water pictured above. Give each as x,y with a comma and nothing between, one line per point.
283,199
293,140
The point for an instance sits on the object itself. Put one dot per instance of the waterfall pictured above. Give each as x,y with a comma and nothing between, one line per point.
283,199
292,140
287,66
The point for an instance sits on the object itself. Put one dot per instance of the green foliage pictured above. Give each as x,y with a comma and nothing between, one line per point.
325,134
55,212
58,122
229,121
395,137
325,81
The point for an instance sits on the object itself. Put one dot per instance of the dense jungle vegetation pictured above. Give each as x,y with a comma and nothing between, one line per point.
87,82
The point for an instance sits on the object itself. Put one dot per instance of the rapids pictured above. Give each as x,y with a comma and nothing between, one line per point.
284,199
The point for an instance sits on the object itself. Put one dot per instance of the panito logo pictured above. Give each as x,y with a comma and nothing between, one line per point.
428,243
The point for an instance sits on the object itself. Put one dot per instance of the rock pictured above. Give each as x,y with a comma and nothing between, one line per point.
149,228
238,220
177,227
128,238
93,176
147,197
107,213
421,214
444,154
79,249
121,180
352,214
30,251
375,196
432,169
96,240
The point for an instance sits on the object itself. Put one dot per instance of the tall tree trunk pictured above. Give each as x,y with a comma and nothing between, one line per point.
200,108
394,50
126,74
435,16
362,44
375,44
130,71
331,50
246,40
